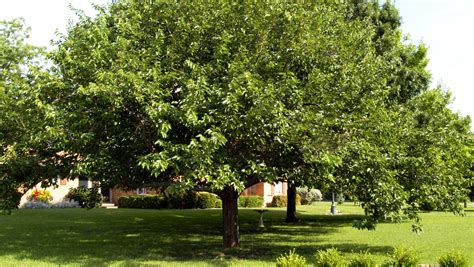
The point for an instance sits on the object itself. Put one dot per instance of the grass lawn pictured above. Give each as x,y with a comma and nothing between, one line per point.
132,237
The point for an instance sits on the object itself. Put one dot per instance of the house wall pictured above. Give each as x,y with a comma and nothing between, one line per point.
58,193
266,190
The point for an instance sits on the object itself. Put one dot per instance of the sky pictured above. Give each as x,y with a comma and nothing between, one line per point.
443,25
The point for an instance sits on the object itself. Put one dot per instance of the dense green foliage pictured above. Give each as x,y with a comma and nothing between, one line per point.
309,196
453,259
364,259
183,200
221,95
27,142
142,202
329,258
251,201
404,257
88,198
282,201
290,259
206,200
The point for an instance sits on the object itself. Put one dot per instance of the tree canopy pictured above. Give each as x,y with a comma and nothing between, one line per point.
223,95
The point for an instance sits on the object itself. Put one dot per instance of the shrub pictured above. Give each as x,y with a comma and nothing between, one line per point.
142,202
403,256
251,201
291,259
282,201
35,205
44,205
363,260
188,200
453,259
310,196
181,200
86,197
65,204
329,258
206,200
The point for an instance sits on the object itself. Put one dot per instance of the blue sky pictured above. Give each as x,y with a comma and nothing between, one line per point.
443,25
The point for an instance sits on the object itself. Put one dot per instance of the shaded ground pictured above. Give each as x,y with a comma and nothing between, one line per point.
128,236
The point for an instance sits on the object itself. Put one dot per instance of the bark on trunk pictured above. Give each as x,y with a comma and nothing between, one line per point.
230,224
291,206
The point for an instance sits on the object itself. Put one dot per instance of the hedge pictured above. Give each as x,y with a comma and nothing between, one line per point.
189,200
282,201
251,201
142,202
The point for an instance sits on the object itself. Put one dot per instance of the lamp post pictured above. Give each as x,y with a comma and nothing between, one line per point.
333,205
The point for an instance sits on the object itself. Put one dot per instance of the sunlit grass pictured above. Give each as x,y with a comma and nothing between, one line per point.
128,237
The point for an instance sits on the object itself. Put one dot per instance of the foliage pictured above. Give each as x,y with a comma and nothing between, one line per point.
40,195
142,202
222,95
206,200
251,201
9,196
45,205
453,259
309,196
290,259
28,132
329,258
182,201
36,205
279,201
363,260
404,257
282,201
88,198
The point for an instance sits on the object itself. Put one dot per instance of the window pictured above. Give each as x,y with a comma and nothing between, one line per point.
278,188
141,191
83,182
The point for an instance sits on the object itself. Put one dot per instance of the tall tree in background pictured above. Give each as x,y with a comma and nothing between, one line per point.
27,132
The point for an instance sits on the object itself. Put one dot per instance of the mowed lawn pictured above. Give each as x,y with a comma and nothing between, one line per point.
133,237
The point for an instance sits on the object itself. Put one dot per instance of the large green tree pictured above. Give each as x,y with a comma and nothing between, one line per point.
210,92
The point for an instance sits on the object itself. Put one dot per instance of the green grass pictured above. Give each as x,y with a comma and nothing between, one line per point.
132,237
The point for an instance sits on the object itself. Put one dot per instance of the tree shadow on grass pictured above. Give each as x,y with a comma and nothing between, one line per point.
101,237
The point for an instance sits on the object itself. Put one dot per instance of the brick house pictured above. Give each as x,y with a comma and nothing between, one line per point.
266,190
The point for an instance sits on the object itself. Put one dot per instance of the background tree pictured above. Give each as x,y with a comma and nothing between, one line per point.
27,132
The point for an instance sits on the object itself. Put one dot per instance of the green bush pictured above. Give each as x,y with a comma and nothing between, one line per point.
86,197
206,200
329,258
181,200
142,202
188,200
453,259
309,196
363,260
282,201
251,201
404,257
291,259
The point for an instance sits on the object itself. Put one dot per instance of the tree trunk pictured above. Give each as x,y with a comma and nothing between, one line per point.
230,224
291,206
